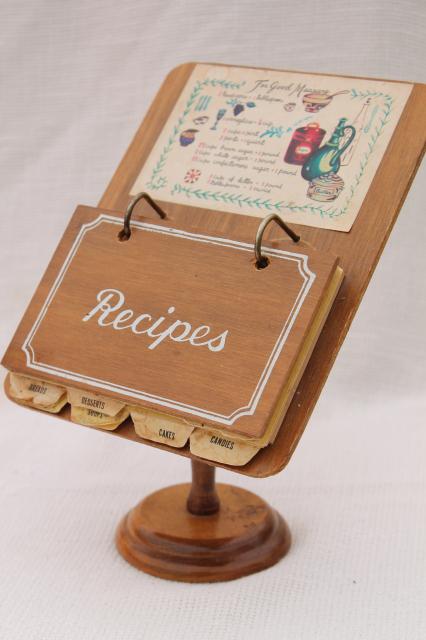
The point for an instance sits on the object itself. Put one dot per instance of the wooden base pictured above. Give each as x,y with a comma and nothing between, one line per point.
162,537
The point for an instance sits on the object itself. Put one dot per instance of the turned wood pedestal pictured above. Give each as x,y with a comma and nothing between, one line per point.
201,532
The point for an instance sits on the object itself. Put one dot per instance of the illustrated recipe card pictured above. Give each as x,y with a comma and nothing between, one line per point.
255,142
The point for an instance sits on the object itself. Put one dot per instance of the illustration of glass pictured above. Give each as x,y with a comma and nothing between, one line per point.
303,143
219,117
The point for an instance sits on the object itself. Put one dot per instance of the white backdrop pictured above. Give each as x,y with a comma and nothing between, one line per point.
77,78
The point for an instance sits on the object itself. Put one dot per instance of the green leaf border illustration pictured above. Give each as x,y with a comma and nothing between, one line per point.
158,181
377,132
241,200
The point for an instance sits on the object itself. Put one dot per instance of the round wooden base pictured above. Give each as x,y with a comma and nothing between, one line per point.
161,537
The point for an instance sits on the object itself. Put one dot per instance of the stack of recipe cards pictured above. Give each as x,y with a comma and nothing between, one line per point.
37,393
179,328
93,411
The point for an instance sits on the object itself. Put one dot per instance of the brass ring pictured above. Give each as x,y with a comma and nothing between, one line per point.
262,261
126,232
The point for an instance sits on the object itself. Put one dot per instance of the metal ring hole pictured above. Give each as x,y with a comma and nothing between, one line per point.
122,236
262,263
126,231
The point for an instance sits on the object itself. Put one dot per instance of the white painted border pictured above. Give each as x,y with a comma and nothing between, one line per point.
308,278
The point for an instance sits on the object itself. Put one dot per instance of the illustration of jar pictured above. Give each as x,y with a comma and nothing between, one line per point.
325,188
187,137
304,142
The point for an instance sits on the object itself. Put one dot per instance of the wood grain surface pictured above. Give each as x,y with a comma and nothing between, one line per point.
161,537
160,275
359,250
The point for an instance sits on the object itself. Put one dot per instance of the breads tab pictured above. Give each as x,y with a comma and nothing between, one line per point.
37,393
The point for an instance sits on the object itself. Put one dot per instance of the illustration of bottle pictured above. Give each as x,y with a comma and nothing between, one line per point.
303,143
358,123
327,157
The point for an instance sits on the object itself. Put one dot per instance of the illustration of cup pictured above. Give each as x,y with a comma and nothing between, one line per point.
317,100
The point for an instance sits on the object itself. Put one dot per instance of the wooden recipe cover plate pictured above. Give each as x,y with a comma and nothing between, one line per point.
177,321
358,250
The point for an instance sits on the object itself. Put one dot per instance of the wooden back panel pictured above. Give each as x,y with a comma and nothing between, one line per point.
359,250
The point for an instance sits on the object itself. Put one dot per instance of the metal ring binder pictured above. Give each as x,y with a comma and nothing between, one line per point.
262,261
126,232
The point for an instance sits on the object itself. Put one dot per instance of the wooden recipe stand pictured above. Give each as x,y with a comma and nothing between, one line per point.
200,533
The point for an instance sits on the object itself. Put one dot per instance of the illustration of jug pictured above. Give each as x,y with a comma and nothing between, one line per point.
326,159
